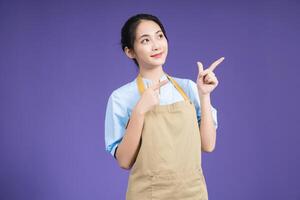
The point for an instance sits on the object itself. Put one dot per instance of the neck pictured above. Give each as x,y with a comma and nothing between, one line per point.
154,74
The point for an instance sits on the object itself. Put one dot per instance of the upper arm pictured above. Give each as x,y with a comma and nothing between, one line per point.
116,118
194,97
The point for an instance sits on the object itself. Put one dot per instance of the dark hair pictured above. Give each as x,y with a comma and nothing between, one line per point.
128,32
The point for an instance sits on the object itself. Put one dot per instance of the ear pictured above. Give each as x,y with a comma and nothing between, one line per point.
129,52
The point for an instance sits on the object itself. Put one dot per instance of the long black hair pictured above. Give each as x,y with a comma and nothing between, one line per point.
128,32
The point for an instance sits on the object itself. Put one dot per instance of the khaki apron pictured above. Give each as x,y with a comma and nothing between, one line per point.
168,163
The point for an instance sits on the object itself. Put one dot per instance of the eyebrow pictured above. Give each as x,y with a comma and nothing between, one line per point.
145,35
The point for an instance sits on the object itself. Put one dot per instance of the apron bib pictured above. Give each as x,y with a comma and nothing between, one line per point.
168,164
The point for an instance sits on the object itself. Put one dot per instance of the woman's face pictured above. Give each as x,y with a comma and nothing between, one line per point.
150,46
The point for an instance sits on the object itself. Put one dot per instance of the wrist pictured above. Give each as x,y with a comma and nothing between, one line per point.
204,98
137,110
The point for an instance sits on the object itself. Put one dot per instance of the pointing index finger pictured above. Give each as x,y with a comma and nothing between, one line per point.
158,85
216,63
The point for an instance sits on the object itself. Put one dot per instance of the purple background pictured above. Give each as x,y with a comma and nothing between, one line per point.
60,61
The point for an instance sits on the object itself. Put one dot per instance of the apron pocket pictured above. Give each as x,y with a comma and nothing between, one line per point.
179,186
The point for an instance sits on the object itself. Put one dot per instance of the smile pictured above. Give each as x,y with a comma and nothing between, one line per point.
157,55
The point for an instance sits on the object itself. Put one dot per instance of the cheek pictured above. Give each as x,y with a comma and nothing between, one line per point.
142,50
165,45
166,49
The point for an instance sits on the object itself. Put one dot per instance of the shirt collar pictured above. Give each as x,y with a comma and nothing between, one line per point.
162,78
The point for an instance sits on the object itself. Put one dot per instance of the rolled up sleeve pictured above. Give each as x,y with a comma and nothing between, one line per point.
115,121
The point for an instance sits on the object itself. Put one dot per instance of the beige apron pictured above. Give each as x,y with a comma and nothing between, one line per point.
168,164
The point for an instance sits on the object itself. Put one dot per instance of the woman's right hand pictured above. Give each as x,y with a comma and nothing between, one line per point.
149,98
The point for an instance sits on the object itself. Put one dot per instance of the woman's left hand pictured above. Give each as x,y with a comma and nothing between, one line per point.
207,80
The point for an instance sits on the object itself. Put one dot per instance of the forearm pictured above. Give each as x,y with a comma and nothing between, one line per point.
207,128
128,147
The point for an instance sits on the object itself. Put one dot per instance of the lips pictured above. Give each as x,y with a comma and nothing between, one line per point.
157,55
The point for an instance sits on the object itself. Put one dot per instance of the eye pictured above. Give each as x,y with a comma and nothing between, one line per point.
161,35
143,41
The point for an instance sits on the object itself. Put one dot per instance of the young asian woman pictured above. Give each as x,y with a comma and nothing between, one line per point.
156,125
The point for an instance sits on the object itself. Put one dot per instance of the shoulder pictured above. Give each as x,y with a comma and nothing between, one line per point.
124,90
124,96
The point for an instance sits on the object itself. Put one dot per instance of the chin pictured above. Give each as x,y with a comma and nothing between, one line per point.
154,63
158,62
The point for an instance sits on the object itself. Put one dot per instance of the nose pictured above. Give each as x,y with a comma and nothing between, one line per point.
155,45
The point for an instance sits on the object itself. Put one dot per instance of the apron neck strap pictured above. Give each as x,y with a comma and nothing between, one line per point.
141,86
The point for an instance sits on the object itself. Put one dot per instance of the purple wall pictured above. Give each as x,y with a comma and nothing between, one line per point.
60,60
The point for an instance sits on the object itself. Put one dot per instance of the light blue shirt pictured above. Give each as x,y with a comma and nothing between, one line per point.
123,99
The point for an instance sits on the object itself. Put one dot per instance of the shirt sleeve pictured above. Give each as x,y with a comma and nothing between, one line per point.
116,118
193,94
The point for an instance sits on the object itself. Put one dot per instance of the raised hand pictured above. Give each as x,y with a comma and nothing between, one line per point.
150,97
206,79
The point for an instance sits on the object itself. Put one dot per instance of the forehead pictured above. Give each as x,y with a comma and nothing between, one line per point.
147,27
